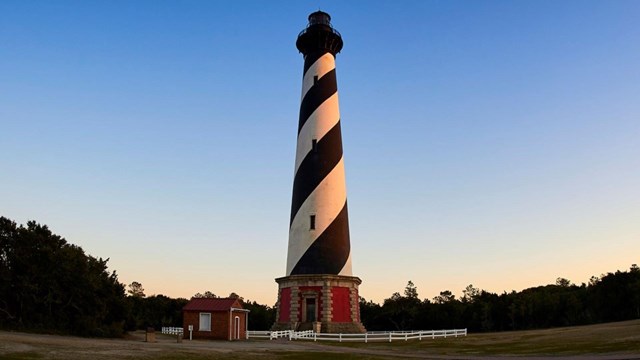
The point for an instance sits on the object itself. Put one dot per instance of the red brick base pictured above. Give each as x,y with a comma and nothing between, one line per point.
324,303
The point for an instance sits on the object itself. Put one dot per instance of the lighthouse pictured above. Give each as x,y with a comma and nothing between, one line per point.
319,291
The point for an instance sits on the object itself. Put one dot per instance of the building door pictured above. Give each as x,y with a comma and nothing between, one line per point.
236,328
311,309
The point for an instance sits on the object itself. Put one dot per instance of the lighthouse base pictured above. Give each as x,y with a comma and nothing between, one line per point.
323,303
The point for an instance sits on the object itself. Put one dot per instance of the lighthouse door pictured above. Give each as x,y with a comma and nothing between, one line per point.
311,309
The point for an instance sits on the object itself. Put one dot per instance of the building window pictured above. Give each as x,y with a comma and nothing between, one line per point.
312,222
205,322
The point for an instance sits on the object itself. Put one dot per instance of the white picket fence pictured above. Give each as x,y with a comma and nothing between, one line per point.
172,330
366,337
258,334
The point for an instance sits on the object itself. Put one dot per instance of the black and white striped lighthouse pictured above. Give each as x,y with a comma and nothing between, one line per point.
319,291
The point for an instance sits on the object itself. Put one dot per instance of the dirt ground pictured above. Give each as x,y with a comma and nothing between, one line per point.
14,345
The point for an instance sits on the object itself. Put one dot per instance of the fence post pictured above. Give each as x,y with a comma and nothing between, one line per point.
389,336
420,335
365,338
406,336
314,336
340,337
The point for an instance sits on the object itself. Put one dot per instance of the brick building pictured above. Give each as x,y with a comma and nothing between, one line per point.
215,318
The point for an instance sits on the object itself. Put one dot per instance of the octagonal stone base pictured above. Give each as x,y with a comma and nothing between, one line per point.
324,303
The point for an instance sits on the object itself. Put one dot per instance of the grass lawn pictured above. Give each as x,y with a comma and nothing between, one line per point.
619,337
620,340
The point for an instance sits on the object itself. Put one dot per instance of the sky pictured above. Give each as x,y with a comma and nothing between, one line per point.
493,143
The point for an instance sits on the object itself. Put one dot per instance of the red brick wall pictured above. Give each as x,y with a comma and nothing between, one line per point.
357,306
243,324
220,326
341,304
285,305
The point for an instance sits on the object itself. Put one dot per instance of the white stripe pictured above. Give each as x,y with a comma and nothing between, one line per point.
323,65
346,269
323,119
326,202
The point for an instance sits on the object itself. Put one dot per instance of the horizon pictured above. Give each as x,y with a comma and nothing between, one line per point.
485,143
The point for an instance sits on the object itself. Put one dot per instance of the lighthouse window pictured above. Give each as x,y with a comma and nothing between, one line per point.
312,222
315,79
314,145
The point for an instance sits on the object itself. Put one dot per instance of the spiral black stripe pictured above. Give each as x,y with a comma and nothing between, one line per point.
317,94
318,223
310,59
329,252
315,167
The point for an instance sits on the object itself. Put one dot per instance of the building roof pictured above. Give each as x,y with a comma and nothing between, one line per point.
212,304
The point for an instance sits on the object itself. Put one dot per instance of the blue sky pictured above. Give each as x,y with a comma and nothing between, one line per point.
492,143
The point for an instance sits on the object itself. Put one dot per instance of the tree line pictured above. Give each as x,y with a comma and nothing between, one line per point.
609,297
49,285
158,310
